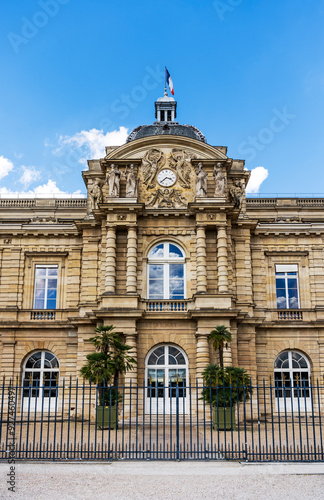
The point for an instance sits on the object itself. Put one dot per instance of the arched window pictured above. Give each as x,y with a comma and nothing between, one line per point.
166,272
292,379
166,376
40,380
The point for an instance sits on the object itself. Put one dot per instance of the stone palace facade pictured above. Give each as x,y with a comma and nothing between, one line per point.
165,247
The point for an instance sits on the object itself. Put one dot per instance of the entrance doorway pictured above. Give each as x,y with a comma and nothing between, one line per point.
166,375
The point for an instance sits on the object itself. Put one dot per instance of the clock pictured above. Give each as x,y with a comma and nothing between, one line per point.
166,177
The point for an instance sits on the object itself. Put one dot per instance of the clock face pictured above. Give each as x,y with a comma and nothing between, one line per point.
166,177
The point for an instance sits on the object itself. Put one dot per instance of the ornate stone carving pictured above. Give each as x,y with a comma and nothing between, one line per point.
94,194
220,181
201,181
166,198
152,161
131,181
43,220
180,160
289,219
121,216
237,192
113,180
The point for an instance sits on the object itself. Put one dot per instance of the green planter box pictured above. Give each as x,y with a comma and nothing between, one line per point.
224,420
107,417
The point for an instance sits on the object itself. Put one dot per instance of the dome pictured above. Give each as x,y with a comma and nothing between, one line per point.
166,98
164,128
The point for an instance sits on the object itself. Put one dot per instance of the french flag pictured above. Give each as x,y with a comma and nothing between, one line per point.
169,81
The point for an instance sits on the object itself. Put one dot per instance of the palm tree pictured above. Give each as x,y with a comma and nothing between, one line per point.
111,359
220,337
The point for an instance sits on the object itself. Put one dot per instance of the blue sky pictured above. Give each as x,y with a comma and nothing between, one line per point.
77,74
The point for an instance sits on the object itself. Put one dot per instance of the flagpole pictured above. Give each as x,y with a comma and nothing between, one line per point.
165,86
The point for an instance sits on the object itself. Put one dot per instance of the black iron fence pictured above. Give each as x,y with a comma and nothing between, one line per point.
88,422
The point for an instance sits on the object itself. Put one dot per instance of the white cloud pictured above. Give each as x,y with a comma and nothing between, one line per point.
258,175
92,143
48,190
5,166
30,175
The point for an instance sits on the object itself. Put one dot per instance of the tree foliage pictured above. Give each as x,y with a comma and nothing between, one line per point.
225,387
111,359
220,337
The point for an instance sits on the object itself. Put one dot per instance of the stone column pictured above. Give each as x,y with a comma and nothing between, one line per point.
202,360
131,376
131,395
110,282
201,260
222,263
131,268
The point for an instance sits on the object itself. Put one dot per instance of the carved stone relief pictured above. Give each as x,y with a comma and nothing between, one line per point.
152,161
180,160
167,198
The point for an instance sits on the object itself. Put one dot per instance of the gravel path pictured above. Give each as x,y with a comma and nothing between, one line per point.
164,481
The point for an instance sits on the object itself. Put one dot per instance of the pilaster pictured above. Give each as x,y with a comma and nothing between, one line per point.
131,271
201,259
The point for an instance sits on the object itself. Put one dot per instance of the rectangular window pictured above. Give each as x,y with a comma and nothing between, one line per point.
162,116
287,286
45,293
169,116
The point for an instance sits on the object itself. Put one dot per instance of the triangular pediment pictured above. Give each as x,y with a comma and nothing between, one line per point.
136,149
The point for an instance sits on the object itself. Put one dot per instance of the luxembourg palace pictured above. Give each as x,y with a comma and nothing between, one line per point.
165,247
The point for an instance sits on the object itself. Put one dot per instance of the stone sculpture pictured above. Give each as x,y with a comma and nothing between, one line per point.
220,181
94,194
131,182
237,193
201,181
113,180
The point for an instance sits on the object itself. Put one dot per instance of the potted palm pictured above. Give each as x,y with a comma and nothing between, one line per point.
224,387
104,367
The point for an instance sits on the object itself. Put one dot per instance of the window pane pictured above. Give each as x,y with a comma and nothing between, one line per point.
292,283
40,283
176,289
40,293
176,270
39,304
52,283
157,252
52,271
156,271
51,293
156,289
40,271
281,299
280,283
51,304
293,299
32,360
175,252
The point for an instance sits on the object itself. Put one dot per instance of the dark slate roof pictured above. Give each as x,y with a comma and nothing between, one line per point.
164,128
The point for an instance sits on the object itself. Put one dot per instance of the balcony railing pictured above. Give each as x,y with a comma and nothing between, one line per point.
166,306
291,315
43,315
